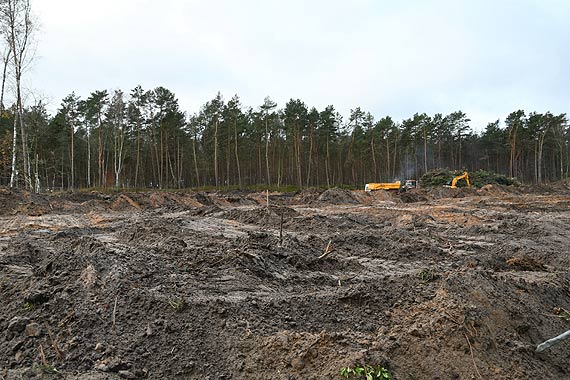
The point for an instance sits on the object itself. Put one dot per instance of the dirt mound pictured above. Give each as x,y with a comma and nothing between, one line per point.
123,202
172,200
306,196
383,196
559,187
238,198
261,215
525,263
432,289
446,192
412,196
496,190
336,196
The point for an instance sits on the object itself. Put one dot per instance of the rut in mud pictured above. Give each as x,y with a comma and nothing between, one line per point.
441,284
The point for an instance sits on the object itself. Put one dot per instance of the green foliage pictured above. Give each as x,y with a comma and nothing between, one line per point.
427,275
365,372
29,306
479,178
562,313
177,304
46,369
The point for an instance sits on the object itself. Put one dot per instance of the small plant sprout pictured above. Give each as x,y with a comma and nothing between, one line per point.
426,275
365,372
177,304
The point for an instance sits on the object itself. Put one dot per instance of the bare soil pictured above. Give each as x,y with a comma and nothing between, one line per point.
431,284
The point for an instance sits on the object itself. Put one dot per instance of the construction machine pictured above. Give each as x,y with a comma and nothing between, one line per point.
465,176
398,185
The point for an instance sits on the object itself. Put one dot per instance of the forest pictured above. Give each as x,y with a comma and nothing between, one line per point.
143,139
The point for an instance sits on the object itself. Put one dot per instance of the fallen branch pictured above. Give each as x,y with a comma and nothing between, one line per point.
252,255
473,357
328,250
551,342
114,312
53,343
43,356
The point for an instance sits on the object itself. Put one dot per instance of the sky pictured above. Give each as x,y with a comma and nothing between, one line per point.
486,58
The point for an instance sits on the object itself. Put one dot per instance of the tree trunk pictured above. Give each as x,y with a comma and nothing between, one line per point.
298,150
195,159
161,161
138,162
14,173
310,156
425,151
6,60
72,157
228,155
373,151
395,157
236,151
216,153
513,144
37,176
267,150
328,164
100,152
388,157
88,157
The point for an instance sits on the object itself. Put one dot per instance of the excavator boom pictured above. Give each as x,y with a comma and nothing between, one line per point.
383,186
398,185
465,176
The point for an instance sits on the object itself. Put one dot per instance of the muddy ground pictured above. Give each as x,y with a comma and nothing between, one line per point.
439,284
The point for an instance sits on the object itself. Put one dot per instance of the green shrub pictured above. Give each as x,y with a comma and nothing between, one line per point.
478,179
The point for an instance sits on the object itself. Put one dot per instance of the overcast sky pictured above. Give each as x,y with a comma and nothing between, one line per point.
484,57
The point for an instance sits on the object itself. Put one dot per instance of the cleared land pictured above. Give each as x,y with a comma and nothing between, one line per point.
439,284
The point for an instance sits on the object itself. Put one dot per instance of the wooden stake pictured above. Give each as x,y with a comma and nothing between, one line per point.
281,230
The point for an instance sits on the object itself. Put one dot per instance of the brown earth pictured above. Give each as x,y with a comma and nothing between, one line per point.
431,284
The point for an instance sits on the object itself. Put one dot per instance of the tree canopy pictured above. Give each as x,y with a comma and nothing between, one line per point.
142,138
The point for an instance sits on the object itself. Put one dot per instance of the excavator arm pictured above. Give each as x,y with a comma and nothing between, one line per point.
465,176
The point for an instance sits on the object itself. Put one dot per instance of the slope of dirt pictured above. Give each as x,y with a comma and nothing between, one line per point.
442,285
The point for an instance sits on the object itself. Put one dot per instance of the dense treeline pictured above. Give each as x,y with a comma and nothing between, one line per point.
144,139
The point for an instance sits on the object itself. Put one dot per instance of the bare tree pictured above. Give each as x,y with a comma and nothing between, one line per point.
117,115
17,28
5,61
267,106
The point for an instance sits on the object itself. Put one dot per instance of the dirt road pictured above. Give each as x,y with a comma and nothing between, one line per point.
441,284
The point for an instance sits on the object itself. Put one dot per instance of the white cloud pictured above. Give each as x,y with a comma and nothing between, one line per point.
485,58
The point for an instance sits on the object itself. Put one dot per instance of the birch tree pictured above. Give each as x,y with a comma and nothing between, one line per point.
266,108
17,27
116,117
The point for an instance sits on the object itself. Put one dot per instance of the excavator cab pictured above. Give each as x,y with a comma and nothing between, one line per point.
408,185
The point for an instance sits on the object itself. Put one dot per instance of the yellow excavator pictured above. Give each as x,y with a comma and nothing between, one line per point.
464,176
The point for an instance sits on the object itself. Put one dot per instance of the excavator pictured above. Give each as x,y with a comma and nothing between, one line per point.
398,185
465,176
